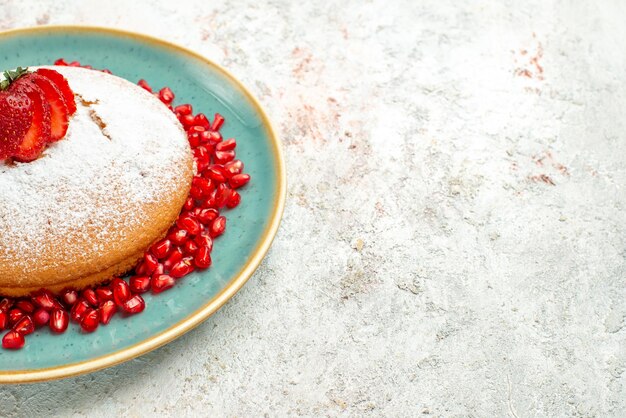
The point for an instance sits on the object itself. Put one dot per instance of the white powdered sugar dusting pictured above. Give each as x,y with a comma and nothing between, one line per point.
123,150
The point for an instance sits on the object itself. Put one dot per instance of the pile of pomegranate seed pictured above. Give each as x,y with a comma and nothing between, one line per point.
186,247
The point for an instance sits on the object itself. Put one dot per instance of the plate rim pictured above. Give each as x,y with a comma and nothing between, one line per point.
232,287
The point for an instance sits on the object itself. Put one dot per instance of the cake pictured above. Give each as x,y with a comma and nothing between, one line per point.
87,207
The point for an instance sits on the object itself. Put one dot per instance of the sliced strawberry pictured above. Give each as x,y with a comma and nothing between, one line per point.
62,85
16,115
59,116
38,133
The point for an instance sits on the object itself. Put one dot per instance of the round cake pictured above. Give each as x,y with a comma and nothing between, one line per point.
90,205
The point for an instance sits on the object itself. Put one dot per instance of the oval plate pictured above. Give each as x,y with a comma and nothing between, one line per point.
250,228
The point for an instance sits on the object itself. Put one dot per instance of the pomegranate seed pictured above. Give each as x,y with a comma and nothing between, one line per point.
13,340
46,300
25,306
203,258
139,284
189,204
222,157
194,140
206,216
15,315
204,184
174,258
104,293
233,167
217,227
233,200
202,156
196,192
228,145
162,248
74,64
4,320
134,305
79,309
107,310
140,270
121,291
166,95
24,326
204,240
214,137
59,321
184,109
6,304
182,268
217,173
159,270
178,237
190,248
222,194
90,320
150,262
239,180
189,224
41,317
60,61
144,84
162,282
197,128
201,120
106,71
70,297
186,120
218,121
210,202
90,296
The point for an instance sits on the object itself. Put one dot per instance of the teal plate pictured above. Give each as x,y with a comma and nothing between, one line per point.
250,227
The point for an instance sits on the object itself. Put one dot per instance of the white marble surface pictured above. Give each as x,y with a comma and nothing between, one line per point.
454,237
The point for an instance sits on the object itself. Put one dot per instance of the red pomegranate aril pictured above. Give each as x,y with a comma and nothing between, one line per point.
201,155
61,62
79,309
90,296
134,305
204,184
233,200
46,300
233,167
184,109
218,121
144,84
239,180
121,291
222,193
214,137
24,326
196,192
174,258
106,71
194,139
166,95
216,173
182,268
189,204
150,262
13,340
198,129
178,237
90,320
222,157
209,202
159,270
70,297
107,310
4,320
189,224
139,284
204,240
59,319
202,258
140,270
186,120
6,304
217,227
15,315
206,216
161,283
25,306
162,248
104,293
190,247
74,64
201,120
227,145
41,317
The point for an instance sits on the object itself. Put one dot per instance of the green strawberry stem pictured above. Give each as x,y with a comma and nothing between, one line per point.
10,76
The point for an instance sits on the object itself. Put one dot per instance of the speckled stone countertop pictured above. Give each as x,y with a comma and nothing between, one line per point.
454,239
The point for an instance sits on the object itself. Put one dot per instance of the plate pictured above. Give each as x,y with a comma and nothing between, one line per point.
250,228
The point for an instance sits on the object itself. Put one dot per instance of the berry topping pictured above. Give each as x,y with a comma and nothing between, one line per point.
38,134
63,86
59,114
